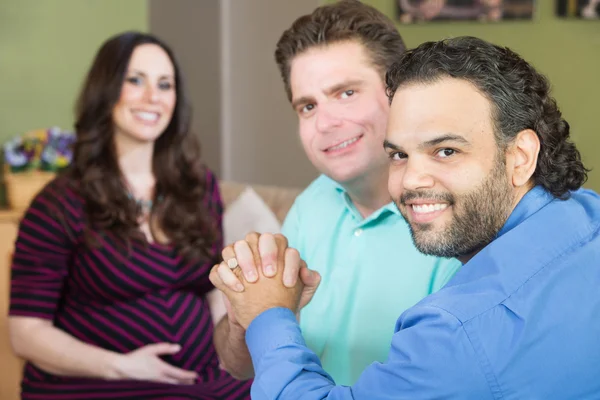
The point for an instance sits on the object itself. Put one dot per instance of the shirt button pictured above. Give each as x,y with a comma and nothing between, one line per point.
357,232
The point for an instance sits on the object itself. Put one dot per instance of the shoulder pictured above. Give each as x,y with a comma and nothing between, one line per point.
59,195
322,190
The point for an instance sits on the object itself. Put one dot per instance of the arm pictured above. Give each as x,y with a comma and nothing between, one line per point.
430,355
230,343
39,268
229,339
58,353
42,252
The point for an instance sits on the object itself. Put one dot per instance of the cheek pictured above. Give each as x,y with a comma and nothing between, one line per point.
395,178
171,101
307,134
372,116
129,93
460,181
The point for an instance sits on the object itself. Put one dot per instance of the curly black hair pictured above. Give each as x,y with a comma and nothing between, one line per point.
520,98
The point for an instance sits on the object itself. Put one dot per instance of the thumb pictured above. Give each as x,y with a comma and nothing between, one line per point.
161,348
310,278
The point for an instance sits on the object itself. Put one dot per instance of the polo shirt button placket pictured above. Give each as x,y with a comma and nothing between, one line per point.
358,232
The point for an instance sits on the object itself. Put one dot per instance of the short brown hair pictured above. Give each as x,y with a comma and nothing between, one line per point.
344,20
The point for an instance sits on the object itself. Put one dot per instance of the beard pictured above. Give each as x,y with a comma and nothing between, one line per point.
477,216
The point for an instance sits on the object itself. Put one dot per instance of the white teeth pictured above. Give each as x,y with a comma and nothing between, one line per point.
428,208
147,116
343,144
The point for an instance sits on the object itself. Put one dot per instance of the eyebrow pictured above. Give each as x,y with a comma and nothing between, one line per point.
389,145
449,137
138,72
329,91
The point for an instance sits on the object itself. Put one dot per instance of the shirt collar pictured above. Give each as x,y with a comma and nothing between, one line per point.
386,209
533,201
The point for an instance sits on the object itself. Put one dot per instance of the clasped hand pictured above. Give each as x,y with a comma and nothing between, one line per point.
266,276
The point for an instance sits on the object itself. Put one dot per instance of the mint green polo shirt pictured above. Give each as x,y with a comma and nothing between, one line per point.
371,273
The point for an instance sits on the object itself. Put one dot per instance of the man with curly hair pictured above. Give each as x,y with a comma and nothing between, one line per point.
482,168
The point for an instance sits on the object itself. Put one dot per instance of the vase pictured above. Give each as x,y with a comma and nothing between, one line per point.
22,187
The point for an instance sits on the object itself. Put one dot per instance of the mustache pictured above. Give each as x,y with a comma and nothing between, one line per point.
410,195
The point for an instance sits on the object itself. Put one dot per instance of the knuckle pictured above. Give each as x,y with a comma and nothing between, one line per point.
281,240
252,237
292,253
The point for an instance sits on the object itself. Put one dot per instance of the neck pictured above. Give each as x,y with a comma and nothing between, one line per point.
135,163
519,193
369,193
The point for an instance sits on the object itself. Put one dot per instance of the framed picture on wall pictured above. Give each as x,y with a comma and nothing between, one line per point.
585,9
415,11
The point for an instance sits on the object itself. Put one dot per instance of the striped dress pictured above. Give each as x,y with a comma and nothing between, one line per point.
115,300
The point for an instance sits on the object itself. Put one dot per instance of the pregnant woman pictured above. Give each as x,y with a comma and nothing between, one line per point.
109,289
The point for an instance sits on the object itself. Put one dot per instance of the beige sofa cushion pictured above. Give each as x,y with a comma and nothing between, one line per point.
279,199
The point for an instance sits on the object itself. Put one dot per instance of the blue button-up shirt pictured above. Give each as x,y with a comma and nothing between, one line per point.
520,320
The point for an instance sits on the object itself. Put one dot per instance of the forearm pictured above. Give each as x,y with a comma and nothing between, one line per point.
230,343
58,353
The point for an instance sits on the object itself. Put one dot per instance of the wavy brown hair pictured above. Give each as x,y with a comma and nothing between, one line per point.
180,203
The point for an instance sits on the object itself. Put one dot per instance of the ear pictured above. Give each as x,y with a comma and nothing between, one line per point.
522,156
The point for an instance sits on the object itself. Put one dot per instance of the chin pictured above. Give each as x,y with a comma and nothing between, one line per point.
146,136
346,173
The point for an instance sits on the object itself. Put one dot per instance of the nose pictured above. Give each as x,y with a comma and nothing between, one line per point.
327,119
152,93
416,175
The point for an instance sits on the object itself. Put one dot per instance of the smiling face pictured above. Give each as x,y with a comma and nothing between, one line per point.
342,107
148,96
447,175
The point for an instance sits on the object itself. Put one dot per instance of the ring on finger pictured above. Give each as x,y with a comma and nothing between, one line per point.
232,263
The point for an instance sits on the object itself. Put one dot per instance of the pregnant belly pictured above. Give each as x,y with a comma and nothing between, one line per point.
167,316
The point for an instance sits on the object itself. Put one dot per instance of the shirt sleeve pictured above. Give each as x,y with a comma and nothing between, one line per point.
431,357
43,249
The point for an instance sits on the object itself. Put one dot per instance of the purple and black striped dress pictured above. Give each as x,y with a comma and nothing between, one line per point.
115,300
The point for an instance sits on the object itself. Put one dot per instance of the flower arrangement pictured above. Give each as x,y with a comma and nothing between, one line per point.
42,150
32,160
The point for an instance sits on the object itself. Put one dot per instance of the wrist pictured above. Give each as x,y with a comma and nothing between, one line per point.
112,366
235,328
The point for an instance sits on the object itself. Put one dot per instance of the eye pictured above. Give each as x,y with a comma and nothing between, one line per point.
445,153
307,108
347,94
165,85
397,156
134,80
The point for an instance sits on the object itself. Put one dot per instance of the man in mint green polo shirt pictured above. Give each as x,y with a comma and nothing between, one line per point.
344,224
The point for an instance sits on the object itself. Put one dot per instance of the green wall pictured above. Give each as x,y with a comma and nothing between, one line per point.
46,47
566,51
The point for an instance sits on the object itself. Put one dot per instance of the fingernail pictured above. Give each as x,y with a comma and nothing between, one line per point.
288,282
269,270
251,276
176,347
239,287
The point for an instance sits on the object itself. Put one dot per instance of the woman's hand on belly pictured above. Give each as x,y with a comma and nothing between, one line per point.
145,364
